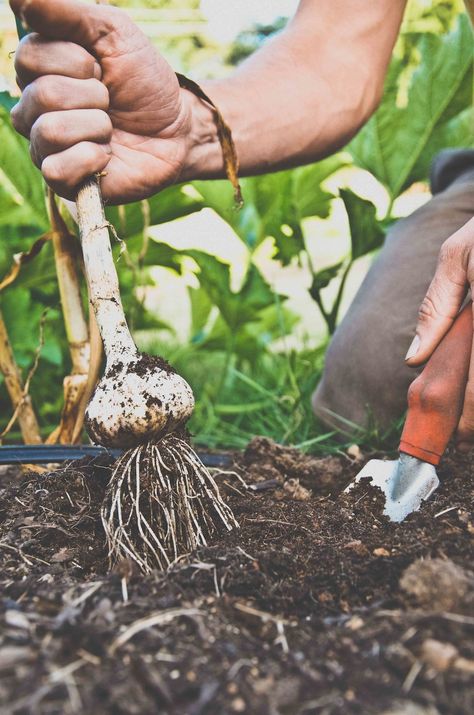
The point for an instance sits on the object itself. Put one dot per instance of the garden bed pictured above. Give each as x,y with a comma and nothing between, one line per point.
317,604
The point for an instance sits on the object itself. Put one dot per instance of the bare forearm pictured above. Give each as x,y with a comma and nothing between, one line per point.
305,94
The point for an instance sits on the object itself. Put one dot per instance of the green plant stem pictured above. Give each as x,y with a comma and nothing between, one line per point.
332,317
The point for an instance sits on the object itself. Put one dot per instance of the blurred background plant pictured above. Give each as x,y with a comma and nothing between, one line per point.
242,302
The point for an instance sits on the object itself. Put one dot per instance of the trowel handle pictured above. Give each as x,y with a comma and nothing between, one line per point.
435,398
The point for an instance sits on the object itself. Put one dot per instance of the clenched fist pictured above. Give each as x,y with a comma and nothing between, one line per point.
98,97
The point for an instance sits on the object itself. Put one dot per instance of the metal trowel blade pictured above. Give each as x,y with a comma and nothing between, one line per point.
405,482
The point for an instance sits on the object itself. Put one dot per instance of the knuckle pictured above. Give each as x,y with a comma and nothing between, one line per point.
105,124
449,251
427,310
45,128
24,55
101,92
117,19
54,171
42,93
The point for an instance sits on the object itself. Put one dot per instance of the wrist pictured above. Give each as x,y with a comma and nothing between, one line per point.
203,158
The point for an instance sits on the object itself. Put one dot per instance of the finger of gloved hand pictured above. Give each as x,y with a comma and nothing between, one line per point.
52,93
65,170
442,301
36,56
84,24
56,131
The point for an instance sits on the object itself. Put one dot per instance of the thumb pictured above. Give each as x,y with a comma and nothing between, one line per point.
442,302
66,19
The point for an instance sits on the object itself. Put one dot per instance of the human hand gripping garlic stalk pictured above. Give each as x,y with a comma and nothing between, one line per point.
161,501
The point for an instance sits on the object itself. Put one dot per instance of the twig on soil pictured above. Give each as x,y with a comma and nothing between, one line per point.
60,676
85,594
156,619
234,489
237,666
456,618
252,558
263,615
445,511
124,586
413,673
281,638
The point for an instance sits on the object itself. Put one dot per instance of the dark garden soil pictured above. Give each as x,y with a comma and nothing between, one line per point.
317,604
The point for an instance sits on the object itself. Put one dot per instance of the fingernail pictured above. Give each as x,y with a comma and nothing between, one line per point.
413,349
108,148
464,447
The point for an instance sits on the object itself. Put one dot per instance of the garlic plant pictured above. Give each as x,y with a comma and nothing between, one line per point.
161,501
140,397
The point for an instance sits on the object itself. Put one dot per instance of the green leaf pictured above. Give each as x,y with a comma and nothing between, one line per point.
399,142
7,101
322,278
250,339
157,254
171,203
235,308
366,232
201,307
219,196
309,196
16,165
22,315
274,204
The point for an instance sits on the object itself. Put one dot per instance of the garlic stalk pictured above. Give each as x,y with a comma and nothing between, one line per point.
140,397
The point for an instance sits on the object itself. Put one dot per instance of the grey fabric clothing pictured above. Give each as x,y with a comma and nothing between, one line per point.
365,376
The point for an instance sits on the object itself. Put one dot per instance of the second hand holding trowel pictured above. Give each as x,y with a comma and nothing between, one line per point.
435,402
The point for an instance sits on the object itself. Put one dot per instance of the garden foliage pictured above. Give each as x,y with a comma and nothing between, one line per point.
427,106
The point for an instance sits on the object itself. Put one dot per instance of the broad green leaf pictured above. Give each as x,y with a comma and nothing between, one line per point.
7,101
309,197
201,307
274,204
22,314
18,229
366,232
157,254
144,319
39,273
169,204
235,308
219,196
16,165
322,278
276,207
398,142
251,338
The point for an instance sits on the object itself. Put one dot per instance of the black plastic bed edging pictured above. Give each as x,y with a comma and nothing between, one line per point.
50,453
